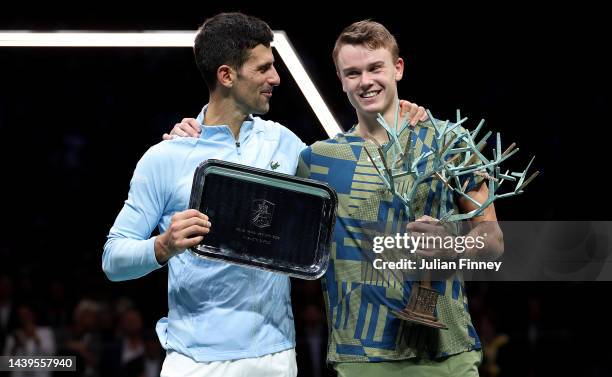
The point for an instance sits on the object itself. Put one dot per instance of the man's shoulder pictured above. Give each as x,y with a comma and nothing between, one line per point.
271,127
344,147
172,147
168,151
266,124
340,141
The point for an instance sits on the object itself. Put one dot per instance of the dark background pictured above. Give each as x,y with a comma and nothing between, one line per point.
74,122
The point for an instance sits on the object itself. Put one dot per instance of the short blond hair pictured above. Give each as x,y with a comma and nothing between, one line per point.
367,33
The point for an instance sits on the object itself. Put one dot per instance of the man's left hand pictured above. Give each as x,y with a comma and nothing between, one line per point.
431,229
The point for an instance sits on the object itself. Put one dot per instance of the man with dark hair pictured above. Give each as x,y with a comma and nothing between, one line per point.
228,41
223,319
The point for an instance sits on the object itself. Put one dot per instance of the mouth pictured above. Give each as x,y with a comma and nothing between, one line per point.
267,93
370,94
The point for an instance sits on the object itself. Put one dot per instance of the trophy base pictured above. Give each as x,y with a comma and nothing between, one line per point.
421,308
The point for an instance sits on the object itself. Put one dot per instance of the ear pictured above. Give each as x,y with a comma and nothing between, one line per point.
226,76
399,69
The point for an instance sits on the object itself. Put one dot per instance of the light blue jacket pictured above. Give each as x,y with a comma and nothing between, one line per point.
217,311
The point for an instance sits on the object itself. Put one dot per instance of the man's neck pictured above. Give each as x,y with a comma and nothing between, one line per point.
224,111
368,126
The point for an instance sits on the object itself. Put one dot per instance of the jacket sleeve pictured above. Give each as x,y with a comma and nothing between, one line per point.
129,251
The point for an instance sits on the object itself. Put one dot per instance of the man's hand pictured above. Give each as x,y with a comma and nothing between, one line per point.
429,228
189,127
186,229
415,112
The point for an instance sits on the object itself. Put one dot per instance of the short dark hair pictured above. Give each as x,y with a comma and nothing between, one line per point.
227,38
368,33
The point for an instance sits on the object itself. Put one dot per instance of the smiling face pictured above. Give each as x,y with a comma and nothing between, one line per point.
369,77
255,79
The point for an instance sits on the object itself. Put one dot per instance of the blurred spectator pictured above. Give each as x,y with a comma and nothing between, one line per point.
29,339
132,344
126,356
82,340
107,320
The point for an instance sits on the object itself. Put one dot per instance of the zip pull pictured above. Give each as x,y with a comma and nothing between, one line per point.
238,148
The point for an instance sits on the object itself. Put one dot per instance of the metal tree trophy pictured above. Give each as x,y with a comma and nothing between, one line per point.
454,153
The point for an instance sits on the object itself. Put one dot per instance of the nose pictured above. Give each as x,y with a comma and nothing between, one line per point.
365,80
274,78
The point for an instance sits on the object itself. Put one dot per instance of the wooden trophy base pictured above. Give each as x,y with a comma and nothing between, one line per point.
421,308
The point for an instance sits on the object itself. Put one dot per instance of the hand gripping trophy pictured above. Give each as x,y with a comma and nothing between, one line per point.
455,153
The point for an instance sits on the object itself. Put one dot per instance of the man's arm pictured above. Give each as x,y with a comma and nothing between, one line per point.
303,169
191,127
484,225
129,252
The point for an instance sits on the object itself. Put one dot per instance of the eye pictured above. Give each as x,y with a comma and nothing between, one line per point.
264,68
352,74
